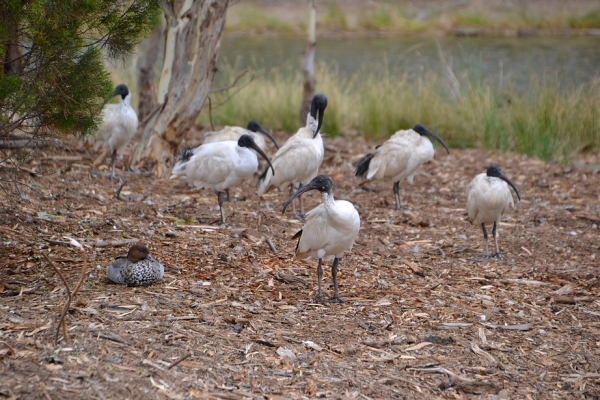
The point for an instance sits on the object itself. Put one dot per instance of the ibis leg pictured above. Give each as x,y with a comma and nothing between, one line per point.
227,192
485,240
336,294
293,203
113,158
397,195
220,200
301,207
498,254
319,277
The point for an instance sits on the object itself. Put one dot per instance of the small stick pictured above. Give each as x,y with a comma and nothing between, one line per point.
83,269
118,191
67,304
112,243
271,246
174,363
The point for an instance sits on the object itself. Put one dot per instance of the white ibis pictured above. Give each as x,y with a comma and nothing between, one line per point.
488,196
398,158
137,268
219,166
234,132
299,159
330,229
119,124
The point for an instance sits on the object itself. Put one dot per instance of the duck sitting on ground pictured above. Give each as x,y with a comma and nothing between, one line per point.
137,268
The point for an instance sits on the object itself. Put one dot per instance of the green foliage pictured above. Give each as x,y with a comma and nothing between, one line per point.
335,18
588,21
252,19
546,121
58,83
471,20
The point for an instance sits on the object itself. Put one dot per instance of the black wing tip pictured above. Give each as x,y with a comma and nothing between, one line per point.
297,236
363,165
262,177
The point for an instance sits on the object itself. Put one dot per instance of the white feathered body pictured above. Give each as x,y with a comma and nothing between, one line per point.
330,229
399,157
141,273
296,162
487,199
119,124
217,166
229,133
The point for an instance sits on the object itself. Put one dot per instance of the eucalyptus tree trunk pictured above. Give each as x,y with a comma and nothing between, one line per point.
147,62
308,65
193,37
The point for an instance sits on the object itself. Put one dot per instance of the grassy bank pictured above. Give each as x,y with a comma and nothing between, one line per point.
544,122
398,18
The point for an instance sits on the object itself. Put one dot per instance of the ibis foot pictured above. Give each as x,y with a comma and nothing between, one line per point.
403,208
337,299
498,256
319,299
299,217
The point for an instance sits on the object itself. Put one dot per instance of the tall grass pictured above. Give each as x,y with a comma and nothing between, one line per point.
545,121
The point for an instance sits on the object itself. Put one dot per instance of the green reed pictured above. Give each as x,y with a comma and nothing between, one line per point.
545,121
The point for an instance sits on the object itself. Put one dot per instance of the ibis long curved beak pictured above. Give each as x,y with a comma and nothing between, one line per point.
254,146
318,105
505,179
267,134
306,188
432,135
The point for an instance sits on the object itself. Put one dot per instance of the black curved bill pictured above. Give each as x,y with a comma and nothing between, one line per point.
505,179
306,188
318,105
267,134
254,146
420,129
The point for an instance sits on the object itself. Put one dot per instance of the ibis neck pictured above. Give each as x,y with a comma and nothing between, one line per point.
312,124
125,102
337,218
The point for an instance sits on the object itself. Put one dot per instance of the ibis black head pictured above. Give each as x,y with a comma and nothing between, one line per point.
186,155
421,130
322,183
247,141
318,105
254,126
495,172
121,90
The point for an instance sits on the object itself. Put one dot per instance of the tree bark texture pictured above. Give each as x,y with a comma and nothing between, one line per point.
193,37
147,96
308,65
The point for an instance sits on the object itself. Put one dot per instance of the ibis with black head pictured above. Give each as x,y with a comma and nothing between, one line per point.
330,229
299,159
398,158
219,166
254,129
119,124
137,268
488,197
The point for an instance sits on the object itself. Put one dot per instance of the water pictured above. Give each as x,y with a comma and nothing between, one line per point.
570,61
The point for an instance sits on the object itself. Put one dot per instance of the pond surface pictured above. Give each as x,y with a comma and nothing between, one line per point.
571,61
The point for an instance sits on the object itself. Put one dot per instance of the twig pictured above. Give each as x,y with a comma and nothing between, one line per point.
212,123
235,81
271,246
67,303
113,243
84,268
118,191
174,363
